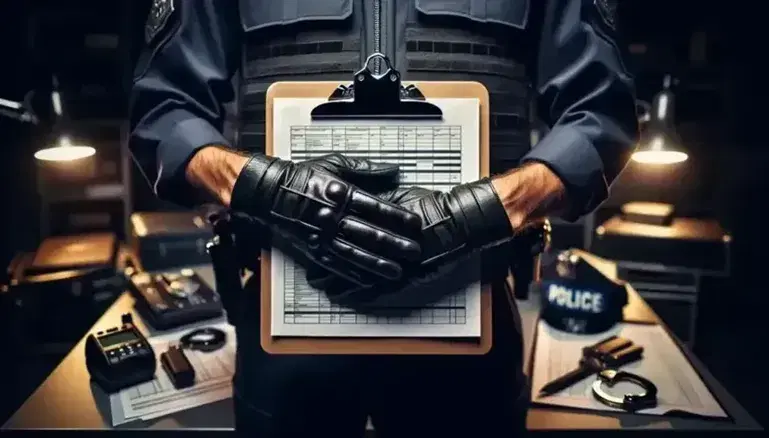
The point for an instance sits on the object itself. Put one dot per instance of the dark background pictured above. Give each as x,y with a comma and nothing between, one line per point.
91,45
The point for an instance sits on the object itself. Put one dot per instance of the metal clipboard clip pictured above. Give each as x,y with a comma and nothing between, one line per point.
377,97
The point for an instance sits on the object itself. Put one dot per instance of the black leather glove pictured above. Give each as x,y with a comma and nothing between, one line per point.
317,208
456,226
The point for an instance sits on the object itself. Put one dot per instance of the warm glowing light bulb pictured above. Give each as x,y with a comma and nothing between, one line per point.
65,151
657,154
659,157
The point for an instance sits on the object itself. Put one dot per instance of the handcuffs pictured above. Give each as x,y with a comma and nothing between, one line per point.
629,402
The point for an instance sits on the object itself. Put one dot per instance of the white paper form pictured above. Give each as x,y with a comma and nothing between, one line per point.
158,397
679,385
436,155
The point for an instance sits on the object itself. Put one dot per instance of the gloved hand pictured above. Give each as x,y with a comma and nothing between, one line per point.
316,206
456,225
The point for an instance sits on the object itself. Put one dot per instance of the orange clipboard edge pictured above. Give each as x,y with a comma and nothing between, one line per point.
369,346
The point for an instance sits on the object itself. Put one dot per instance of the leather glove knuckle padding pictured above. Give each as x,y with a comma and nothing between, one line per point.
428,285
466,237
455,226
323,218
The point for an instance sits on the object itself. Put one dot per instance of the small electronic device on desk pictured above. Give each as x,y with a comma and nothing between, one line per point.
173,299
178,367
176,363
119,357
169,240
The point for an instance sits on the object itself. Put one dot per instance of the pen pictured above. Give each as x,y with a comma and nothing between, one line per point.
565,381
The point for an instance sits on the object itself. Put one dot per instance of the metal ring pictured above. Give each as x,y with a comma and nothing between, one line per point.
629,402
205,339
379,56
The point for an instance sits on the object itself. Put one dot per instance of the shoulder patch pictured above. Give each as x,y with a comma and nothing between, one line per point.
607,9
158,17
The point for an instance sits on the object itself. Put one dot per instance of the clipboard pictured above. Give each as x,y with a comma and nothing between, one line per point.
393,101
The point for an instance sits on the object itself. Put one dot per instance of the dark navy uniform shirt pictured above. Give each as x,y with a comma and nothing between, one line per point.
583,90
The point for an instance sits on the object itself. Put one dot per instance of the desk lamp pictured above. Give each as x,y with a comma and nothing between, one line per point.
659,146
64,150
659,140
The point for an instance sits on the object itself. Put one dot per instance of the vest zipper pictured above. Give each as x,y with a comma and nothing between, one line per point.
377,34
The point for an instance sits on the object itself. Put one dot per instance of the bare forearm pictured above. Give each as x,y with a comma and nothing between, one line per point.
530,193
214,170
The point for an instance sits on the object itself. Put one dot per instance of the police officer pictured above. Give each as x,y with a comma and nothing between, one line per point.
558,60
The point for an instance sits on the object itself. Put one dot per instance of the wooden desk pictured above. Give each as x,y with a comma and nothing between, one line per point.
699,244
67,400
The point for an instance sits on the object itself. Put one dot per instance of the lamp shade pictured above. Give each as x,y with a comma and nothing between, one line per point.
660,143
65,151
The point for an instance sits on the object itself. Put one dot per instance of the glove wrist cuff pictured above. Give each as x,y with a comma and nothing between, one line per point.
256,184
486,218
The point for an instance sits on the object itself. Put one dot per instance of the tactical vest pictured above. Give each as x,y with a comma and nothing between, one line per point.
428,40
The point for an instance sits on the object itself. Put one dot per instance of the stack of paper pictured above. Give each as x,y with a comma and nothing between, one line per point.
435,155
156,398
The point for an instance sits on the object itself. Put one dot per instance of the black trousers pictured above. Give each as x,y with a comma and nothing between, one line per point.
405,396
